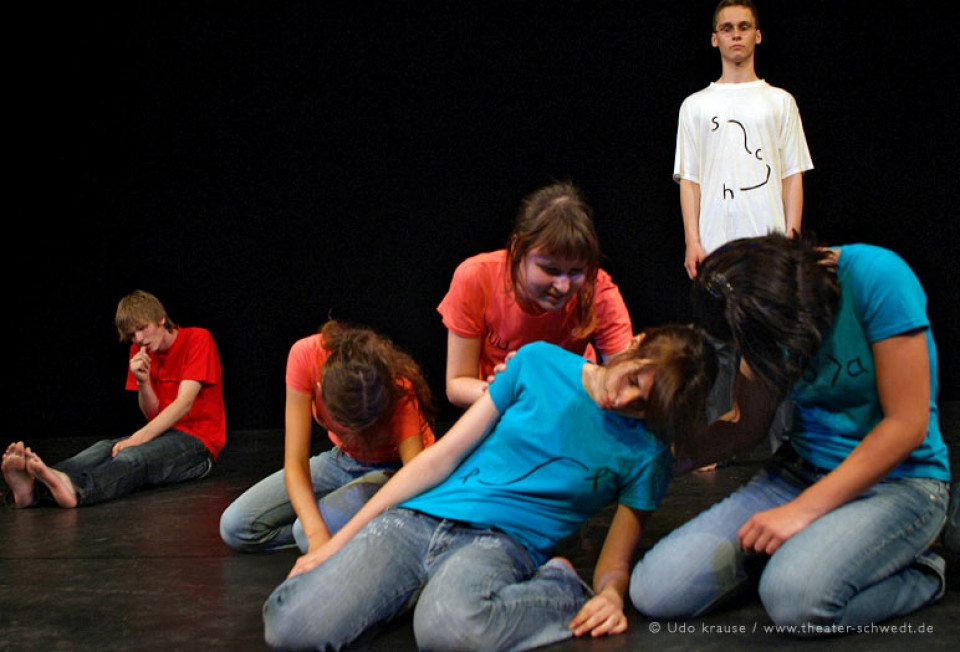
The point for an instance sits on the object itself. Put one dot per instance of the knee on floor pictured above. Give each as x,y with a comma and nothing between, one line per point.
456,623
236,532
291,621
793,598
669,583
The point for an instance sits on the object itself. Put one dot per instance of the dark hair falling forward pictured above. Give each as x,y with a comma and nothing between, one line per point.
774,297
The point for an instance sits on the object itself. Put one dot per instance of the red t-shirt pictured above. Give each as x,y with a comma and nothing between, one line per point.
481,304
304,365
193,356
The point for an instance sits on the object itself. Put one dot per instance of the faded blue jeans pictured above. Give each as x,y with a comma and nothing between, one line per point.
172,457
860,564
263,519
951,531
473,589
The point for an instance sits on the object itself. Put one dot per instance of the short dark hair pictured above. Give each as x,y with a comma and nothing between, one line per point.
736,3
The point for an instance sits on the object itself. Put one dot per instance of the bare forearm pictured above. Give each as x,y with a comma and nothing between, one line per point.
304,502
427,469
464,391
613,581
463,382
887,445
166,419
690,210
147,400
903,386
421,473
793,202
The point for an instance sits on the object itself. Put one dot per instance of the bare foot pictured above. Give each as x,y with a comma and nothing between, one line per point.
16,474
60,486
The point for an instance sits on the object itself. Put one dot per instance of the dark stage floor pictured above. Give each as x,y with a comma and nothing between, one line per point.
149,572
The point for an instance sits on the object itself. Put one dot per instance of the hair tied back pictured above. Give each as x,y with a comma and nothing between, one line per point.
718,286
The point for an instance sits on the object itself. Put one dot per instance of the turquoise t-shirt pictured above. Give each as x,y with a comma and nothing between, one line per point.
836,401
553,459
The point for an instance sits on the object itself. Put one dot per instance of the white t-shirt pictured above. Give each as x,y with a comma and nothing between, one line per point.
738,142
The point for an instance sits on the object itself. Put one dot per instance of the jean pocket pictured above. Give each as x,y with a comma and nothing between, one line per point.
936,490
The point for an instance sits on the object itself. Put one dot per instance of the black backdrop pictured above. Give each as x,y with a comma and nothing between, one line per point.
260,165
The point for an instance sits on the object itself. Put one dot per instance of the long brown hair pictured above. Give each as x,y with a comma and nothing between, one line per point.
557,219
365,376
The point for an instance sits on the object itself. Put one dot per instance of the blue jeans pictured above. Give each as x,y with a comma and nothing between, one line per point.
263,519
473,589
172,457
951,531
862,563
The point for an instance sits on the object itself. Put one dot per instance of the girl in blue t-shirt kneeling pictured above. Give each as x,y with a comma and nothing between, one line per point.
840,522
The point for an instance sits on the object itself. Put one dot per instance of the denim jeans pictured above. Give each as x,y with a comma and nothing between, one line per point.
172,457
862,563
951,531
263,519
472,589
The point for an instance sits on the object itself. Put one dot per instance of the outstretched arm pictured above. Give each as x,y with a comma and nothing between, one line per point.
903,385
424,471
603,613
464,385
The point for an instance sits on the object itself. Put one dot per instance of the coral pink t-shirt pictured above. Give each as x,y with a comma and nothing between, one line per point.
304,365
481,303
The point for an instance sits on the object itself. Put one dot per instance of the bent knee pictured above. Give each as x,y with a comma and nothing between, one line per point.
671,581
294,619
457,623
236,530
792,597
232,530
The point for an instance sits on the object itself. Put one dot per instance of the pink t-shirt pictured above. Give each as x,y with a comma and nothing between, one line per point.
193,356
480,303
304,365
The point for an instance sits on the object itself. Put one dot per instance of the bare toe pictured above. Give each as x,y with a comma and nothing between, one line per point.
17,476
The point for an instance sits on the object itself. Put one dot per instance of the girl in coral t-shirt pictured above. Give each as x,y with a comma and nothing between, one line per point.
546,285
378,412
